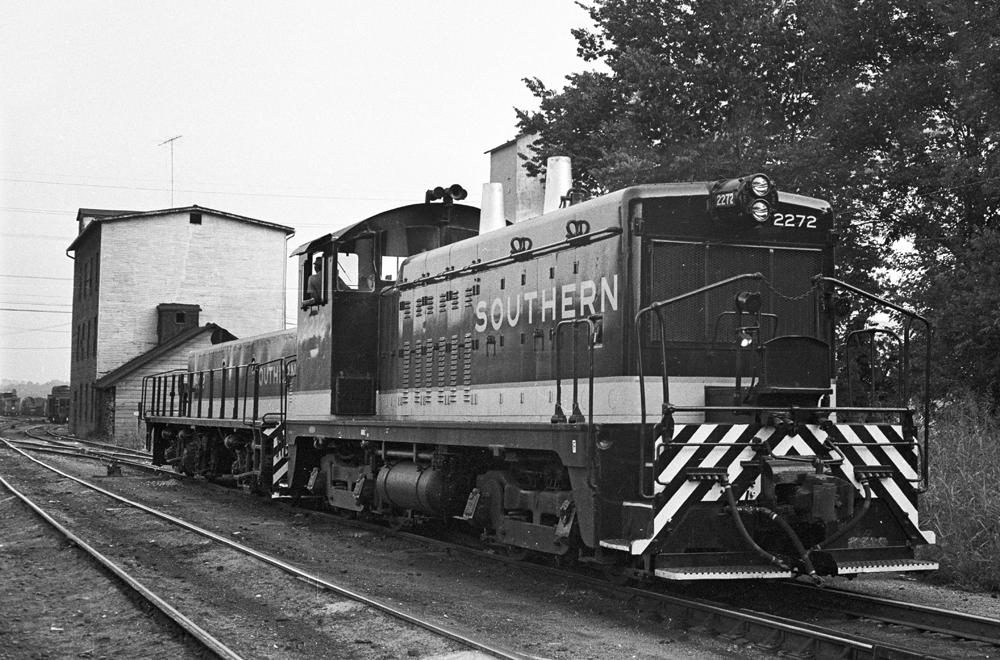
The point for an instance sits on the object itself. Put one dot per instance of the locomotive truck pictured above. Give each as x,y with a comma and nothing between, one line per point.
644,381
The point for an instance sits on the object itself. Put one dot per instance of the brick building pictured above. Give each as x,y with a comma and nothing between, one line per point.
149,287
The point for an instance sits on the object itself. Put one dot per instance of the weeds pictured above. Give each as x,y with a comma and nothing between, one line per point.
962,504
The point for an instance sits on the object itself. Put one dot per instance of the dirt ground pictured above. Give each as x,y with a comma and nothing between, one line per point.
51,608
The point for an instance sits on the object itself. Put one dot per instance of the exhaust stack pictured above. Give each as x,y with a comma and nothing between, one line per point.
558,181
491,216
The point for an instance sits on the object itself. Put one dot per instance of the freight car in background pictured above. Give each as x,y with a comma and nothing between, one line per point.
10,403
33,406
644,381
57,408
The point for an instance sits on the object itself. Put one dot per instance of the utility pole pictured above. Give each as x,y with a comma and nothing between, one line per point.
171,143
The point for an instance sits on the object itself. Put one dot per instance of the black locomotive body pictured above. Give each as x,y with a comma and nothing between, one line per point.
58,405
644,381
10,403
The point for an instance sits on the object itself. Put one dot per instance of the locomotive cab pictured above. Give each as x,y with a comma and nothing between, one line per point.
338,320
341,301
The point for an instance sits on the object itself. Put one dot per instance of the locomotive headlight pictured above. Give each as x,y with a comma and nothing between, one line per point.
746,202
760,210
745,339
760,185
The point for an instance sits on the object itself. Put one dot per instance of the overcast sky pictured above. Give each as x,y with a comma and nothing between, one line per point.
308,114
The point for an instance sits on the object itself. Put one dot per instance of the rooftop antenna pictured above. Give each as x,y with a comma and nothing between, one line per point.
171,143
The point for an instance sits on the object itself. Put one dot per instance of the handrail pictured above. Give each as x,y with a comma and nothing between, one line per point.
666,407
903,389
912,316
255,367
576,417
145,382
160,392
573,241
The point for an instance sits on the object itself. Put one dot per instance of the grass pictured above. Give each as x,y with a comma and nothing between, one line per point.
962,504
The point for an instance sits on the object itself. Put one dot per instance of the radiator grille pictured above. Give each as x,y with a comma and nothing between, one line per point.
677,268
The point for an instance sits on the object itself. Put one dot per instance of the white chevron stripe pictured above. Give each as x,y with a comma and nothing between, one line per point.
785,447
279,461
686,491
890,484
863,453
680,461
796,442
894,453
904,503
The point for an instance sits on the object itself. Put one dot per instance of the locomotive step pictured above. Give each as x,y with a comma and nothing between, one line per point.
885,566
747,572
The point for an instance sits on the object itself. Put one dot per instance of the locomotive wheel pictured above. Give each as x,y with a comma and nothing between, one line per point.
565,561
398,521
616,574
513,552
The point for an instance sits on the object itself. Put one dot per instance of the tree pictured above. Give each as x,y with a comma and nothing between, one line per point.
888,108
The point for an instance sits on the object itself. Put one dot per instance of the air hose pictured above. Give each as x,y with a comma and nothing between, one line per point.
735,509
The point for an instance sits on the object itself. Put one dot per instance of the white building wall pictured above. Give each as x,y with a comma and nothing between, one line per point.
234,270
128,392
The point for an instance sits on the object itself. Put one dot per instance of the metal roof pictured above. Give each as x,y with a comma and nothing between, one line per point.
103,216
404,216
174,342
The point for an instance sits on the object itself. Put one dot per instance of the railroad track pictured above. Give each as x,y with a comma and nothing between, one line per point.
791,636
920,617
89,446
110,455
301,576
137,591
788,635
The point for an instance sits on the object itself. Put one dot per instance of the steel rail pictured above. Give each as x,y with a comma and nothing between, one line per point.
86,446
97,445
291,570
784,636
83,452
203,637
78,453
64,448
767,628
932,619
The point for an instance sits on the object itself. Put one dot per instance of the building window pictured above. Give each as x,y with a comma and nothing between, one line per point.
195,218
180,318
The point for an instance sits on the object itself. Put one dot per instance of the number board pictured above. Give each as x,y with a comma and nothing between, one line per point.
795,220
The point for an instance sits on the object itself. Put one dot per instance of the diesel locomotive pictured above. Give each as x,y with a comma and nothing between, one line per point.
57,407
644,381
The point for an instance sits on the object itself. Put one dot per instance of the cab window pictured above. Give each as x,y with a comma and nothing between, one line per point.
356,268
314,280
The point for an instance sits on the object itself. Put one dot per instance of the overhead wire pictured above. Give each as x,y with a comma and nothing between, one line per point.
36,277
206,192
38,311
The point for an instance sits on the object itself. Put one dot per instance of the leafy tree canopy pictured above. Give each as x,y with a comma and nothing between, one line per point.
888,108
